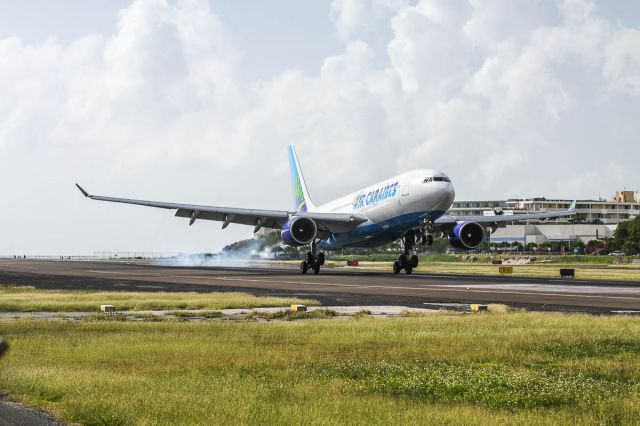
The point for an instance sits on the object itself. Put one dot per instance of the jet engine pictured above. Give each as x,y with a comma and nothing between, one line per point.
466,235
299,231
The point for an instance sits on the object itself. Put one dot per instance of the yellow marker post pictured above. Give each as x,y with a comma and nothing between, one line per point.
109,309
506,269
475,307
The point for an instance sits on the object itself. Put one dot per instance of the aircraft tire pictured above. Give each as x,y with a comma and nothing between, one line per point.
414,261
396,267
316,268
408,269
429,240
304,267
403,261
321,258
309,258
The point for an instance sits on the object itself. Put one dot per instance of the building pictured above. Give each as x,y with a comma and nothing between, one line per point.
594,219
624,205
552,233
625,197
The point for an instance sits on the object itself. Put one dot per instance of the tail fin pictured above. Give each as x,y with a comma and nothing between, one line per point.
300,193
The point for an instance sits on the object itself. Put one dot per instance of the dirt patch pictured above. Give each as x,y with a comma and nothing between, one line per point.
519,261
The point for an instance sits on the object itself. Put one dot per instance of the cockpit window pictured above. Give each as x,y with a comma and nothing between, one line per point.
437,179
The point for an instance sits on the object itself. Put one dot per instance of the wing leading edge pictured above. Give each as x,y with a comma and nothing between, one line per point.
275,219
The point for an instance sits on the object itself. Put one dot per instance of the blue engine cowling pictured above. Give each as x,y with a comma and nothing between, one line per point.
299,231
466,235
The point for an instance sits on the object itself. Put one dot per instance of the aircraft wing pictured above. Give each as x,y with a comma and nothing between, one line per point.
275,219
450,220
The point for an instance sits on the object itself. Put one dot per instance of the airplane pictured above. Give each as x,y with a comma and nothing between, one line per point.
409,207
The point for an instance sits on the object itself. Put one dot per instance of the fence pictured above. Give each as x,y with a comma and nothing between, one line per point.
101,255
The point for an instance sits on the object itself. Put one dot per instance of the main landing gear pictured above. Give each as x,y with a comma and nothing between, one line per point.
404,262
312,260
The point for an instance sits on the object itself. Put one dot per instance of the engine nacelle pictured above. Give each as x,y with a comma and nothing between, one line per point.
466,235
299,231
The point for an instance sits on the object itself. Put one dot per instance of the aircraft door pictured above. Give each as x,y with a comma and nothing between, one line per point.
403,199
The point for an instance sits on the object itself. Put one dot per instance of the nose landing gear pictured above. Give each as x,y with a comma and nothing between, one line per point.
425,234
312,260
426,239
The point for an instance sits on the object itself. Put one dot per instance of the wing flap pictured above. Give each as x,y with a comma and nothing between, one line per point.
256,218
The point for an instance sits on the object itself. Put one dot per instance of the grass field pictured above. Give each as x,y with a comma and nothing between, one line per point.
605,272
452,368
486,258
29,299
435,265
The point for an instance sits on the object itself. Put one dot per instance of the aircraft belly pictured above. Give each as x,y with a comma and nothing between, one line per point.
373,234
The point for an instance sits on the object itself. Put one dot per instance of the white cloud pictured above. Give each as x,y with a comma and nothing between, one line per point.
509,100
355,18
622,61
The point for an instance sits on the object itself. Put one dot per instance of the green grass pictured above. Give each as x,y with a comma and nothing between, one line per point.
29,299
486,258
498,387
544,270
494,368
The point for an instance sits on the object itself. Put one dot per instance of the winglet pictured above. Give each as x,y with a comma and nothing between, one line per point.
572,207
85,193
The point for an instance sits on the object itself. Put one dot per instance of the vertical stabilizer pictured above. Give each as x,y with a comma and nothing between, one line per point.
301,197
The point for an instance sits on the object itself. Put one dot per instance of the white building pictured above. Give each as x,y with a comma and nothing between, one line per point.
552,233
594,219
625,205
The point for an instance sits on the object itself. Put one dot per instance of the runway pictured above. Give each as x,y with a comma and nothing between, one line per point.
330,286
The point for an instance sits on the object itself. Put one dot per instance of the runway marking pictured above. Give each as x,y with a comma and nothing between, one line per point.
358,274
122,273
556,287
423,287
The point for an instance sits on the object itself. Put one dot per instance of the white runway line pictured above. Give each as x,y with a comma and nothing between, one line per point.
476,288
554,287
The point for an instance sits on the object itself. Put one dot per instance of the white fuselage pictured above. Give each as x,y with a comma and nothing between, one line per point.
392,207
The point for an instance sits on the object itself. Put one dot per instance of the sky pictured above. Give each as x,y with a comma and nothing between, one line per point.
195,101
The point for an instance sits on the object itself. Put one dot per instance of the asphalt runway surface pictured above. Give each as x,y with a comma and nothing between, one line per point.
331,286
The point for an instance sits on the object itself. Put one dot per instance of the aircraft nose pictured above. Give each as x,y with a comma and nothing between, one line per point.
447,195
450,193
